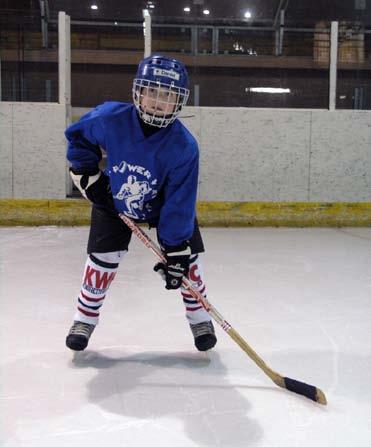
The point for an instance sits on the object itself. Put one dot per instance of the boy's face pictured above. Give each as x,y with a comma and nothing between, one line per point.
158,101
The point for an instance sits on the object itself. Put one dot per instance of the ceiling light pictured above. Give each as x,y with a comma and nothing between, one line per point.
151,5
206,12
247,15
115,23
94,7
187,9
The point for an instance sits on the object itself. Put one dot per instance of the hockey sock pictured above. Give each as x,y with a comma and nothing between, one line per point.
100,270
195,313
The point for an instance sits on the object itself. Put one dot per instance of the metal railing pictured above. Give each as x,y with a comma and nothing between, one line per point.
354,43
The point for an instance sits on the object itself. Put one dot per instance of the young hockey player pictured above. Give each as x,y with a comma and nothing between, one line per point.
151,176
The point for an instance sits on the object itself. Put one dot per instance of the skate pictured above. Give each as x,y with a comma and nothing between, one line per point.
204,335
78,337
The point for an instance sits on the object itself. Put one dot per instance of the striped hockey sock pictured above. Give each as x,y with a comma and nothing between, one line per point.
100,270
195,313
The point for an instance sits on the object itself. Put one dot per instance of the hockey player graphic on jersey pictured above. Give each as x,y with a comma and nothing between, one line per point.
133,193
151,176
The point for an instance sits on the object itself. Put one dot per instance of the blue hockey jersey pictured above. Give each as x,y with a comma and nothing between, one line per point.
153,178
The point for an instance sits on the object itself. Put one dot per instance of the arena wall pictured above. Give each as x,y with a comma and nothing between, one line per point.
279,155
32,150
274,159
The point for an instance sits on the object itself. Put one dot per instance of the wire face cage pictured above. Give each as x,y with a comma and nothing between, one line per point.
158,103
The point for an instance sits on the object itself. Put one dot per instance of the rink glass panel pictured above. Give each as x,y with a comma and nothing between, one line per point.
25,76
224,62
354,72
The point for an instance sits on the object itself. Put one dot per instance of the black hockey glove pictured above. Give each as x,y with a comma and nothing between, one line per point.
177,265
94,185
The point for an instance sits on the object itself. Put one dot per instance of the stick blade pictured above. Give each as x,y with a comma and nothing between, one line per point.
309,391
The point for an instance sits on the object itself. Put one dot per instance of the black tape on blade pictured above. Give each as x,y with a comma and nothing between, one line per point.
301,388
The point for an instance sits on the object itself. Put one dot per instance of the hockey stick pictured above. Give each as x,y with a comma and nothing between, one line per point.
302,388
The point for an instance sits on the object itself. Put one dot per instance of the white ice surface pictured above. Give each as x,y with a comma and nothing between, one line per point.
300,297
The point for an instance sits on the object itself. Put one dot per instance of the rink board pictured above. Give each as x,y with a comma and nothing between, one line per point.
224,214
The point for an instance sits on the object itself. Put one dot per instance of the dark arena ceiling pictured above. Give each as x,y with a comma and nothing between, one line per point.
263,12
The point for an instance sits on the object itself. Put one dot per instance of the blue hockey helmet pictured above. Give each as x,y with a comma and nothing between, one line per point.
165,82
